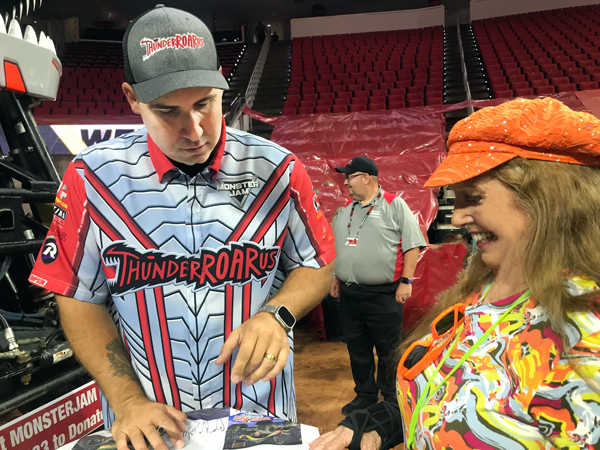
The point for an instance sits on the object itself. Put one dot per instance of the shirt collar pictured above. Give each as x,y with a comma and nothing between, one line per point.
373,200
162,164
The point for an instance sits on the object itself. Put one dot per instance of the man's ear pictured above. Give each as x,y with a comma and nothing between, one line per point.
131,97
221,69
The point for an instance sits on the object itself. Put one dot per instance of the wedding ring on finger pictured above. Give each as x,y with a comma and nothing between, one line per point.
270,357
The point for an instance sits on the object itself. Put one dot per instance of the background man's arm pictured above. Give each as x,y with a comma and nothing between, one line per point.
95,340
404,291
303,289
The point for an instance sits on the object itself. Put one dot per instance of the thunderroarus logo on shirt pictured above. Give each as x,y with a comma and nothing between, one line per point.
237,263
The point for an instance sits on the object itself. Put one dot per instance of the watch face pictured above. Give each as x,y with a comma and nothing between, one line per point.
286,316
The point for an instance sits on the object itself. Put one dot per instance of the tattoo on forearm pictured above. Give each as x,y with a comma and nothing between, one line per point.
118,360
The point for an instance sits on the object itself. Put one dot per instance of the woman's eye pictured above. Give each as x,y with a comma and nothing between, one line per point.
474,199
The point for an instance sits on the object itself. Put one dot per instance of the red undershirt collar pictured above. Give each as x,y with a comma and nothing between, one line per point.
162,164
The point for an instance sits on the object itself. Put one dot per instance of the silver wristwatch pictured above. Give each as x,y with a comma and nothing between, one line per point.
283,315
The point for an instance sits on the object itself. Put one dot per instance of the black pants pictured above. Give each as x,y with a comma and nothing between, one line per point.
371,319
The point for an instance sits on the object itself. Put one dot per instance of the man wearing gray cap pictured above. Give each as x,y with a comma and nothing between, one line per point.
377,242
175,234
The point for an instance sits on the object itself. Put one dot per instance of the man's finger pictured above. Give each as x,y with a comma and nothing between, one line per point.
258,356
228,347
121,441
171,428
137,440
154,438
178,417
243,357
279,365
269,359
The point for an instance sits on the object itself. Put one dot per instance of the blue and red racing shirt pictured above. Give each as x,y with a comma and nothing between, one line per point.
182,261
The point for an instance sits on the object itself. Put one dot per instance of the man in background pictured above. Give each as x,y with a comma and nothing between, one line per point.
377,243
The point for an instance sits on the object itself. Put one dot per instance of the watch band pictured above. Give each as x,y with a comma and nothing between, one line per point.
283,315
405,280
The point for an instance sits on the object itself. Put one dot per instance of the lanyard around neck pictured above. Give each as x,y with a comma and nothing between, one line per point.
429,390
362,222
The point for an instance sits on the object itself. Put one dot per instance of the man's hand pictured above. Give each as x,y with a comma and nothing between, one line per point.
259,335
337,439
403,292
138,419
334,290
341,437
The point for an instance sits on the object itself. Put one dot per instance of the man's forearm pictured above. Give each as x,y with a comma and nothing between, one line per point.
96,343
304,288
410,262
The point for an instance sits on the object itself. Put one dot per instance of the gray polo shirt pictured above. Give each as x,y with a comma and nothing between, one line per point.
390,230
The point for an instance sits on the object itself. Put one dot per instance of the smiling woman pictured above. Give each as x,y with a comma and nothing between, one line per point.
509,356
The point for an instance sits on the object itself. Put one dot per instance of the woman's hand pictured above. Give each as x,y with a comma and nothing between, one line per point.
341,437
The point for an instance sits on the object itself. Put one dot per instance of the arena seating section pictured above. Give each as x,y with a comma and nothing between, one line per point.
93,75
541,53
366,71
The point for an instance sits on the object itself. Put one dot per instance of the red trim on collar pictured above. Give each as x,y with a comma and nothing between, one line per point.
162,164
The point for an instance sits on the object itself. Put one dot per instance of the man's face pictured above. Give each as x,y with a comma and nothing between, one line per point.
185,124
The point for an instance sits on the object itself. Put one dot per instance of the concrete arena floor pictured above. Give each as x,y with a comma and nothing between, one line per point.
323,380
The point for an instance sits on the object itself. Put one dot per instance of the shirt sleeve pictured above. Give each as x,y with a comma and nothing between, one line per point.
411,234
309,240
566,407
69,260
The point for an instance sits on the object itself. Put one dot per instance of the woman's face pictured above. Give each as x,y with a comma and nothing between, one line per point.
487,208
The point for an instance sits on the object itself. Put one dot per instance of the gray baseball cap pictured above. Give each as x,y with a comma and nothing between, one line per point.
166,49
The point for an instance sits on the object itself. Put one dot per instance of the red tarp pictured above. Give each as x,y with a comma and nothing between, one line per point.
407,145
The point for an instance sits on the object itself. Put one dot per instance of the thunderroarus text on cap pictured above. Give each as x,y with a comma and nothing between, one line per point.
166,49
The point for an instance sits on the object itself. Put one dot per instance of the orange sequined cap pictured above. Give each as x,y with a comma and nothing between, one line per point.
542,129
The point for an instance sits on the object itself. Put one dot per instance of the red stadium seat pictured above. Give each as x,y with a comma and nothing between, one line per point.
539,83
503,94
358,101
377,100
435,101
288,111
535,76
358,107
588,85
361,94
339,108
345,94
520,85
545,90
415,102
580,79
523,92
560,80
396,104
376,106
566,87
322,110
341,101
305,110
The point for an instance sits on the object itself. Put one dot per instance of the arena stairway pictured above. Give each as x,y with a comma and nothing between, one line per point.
273,85
242,75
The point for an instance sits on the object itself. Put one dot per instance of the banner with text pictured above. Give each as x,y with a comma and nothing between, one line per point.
55,424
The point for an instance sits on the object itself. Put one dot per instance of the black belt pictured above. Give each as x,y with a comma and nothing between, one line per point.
389,287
